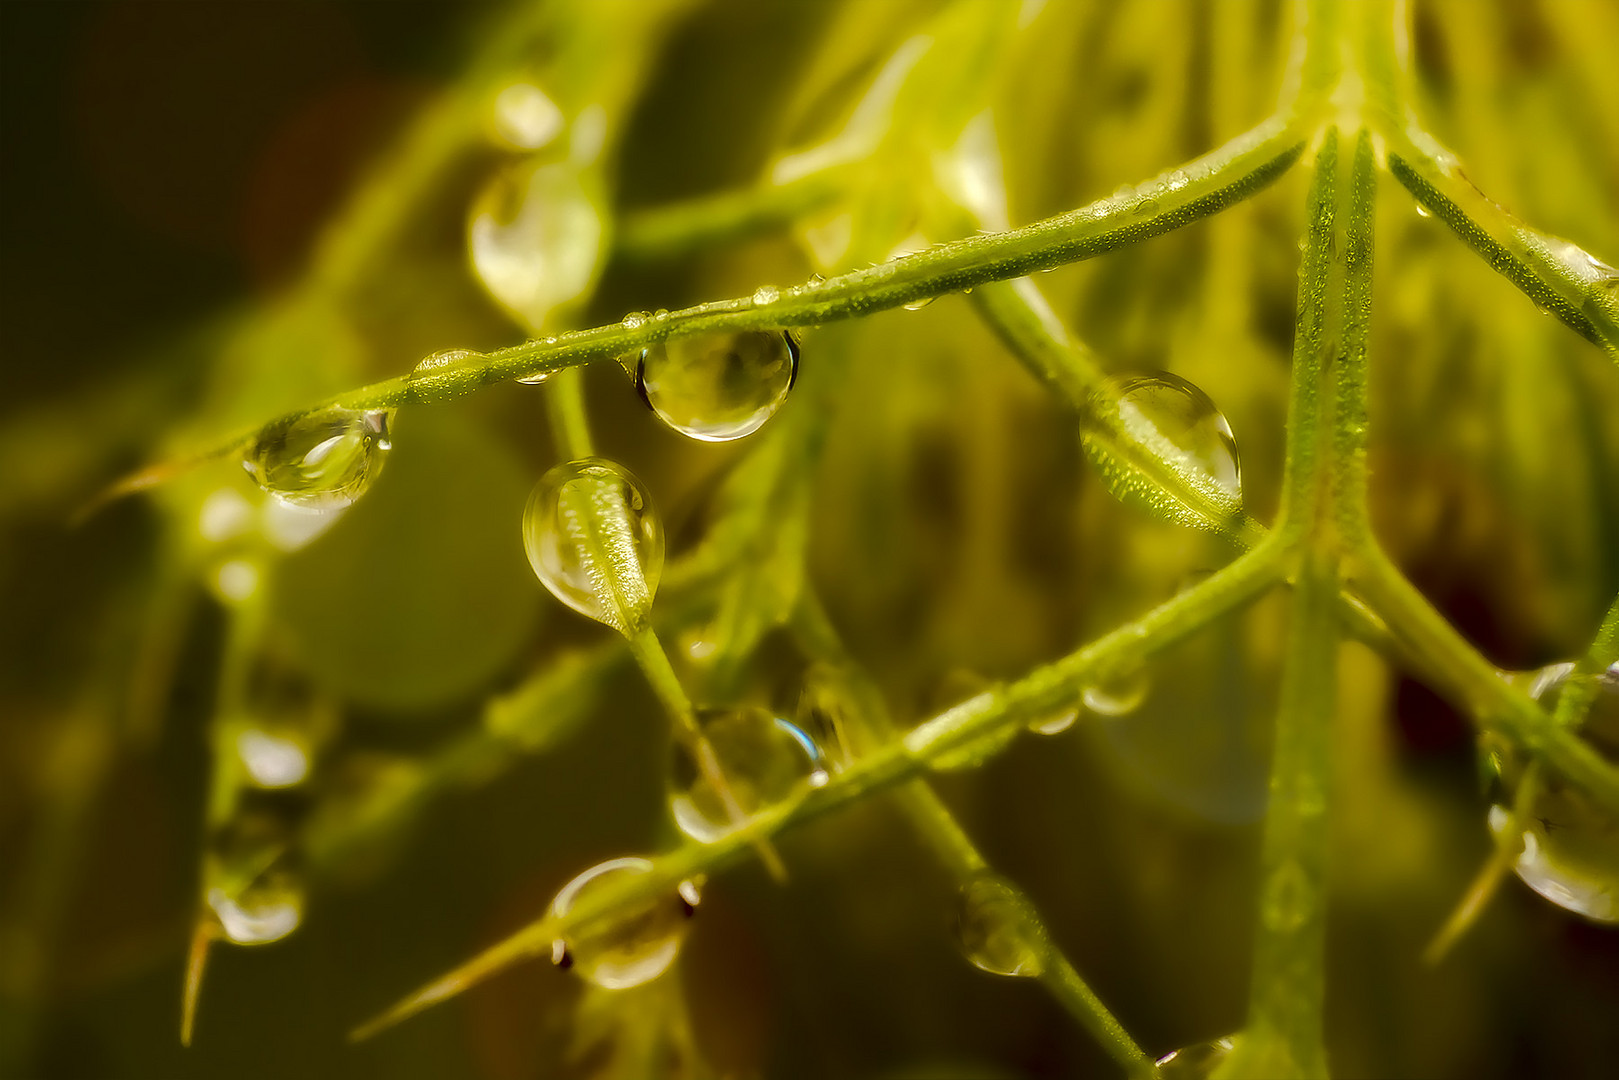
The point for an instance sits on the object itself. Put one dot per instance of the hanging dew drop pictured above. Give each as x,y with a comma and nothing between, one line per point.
996,930
1118,693
918,305
266,910
595,541
1570,843
525,118
763,758
1423,211
1196,1062
1055,723
634,943
540,377
718,387
320,461
272,760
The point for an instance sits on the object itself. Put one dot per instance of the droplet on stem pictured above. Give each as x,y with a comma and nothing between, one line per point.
595,541
718,387
323,460
1118,692
764,759
631,945
1196,1062
996,930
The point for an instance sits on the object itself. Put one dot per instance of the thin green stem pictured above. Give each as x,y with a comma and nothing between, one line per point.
1349,380
565,406
1580,689
678,229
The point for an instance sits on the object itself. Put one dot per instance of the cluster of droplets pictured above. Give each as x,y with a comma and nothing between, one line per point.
595,541
633,943
1176,423
719,387
1568,843
764,759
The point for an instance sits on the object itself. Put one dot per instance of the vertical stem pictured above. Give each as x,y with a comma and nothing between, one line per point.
565,406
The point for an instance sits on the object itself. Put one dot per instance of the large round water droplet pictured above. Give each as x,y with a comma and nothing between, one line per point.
996,930
535,237
718,387
763,758
321,461
631,945
595,541
1195,1062
1570,842
1119,692
1177,424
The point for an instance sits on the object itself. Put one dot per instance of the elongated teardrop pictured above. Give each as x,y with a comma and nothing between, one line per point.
631,945
323,460
595,541
996,930
1570,842
718,387
1195,1062
763,758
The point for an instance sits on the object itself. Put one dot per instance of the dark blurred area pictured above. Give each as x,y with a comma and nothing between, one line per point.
169,174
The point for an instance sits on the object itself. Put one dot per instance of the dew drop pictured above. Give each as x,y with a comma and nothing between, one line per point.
267,910
1570,842
1196,1062
1056,722
1118,693
272,760
635,320
525,118
323,460
631,945
1177,180
763,758
595,541
718,387
995,928
534,237
1423,211
1177,423
765,295
918,305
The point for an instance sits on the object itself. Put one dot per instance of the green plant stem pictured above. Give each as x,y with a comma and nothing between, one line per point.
871,727
1580,690
565,407
1036,694
678,229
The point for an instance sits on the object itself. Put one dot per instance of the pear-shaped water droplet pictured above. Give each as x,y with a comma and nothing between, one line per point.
630,945
1195,1062
595,541
323,460
535,237
1176,423
718,387
525,118
918,305
996,929
1570,842
1118,692
1055,722
1423,211
763,758
266,910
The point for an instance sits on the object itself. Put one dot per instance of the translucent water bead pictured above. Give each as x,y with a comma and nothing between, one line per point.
535,237
631,945
718,387
253,890
1177,422
323,460
996,929
1118,693
1195,1062
595,541
1570,842
266,910
764,759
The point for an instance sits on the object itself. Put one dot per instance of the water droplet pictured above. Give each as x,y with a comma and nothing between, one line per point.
235,581
918,305
535,380
272,760
635,320
718,387
525,118
1177,423
1055,723
535,237
438,363
324,460
1423,211
765,295
631,945
764,760
1118,693
1570,842
1196,1062
996,930
267,910
1177,180
595,541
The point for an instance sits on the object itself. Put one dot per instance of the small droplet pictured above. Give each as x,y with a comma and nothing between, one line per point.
1055,723
635,320
535,380
1423,211
535,237
1570,842
1177,180
1177,423
996,930
439,361
763,758
1119,692
268,909
272,760
595,541
525,118
1196,1062
718,387
765,295
321,461
631,945
918,305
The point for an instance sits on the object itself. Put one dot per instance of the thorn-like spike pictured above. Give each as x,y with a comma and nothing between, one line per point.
1472,905
202,936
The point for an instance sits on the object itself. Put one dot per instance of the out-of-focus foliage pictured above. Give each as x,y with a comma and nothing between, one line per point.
183,256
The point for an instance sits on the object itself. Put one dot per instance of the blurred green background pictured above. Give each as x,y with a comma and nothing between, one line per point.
167,172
